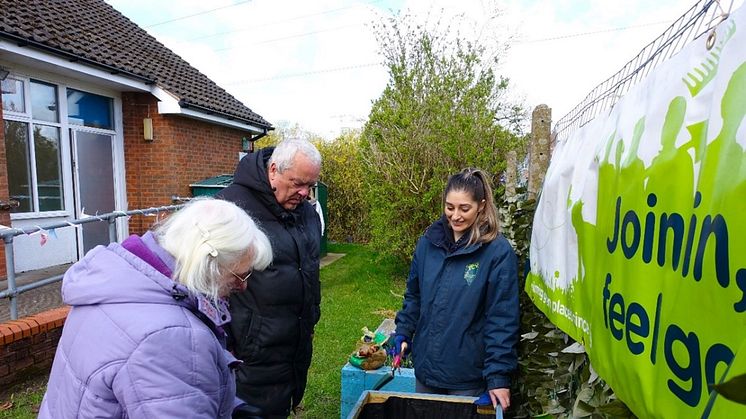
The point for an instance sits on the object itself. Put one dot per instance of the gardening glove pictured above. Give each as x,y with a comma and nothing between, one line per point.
402,344
484,400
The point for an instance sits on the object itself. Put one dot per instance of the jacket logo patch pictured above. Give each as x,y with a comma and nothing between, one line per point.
471,272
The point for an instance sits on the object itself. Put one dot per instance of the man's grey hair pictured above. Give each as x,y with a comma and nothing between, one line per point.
286,150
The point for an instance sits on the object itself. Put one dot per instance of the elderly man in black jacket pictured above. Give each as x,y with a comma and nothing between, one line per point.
273,320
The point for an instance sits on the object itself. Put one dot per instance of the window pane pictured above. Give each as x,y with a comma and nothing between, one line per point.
48,174
19,176
44,101
12,91
89,109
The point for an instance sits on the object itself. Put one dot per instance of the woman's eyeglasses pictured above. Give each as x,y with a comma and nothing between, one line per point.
243,278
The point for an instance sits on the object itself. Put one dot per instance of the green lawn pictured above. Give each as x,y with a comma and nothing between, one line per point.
360,289
23,400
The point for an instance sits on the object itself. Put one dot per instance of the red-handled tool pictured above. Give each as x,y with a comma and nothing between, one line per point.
396,363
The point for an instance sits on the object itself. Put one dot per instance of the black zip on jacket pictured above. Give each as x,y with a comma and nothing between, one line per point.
273,320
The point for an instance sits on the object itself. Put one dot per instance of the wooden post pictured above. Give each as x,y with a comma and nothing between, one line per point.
538,149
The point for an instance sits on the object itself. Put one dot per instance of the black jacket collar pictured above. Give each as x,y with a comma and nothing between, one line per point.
252,173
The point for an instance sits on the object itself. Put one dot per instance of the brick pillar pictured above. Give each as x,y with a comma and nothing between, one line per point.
539,152
4,190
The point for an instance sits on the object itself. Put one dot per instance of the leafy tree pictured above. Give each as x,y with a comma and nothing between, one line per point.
342,172
443,109
269,140
284,130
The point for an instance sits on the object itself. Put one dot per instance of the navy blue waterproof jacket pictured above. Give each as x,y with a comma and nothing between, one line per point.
461,312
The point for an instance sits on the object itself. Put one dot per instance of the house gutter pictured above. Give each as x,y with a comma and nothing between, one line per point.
252,140
203,109
258,137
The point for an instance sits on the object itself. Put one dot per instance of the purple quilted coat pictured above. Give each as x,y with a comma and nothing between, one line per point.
133,345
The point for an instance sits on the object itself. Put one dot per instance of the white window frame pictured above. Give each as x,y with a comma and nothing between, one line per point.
65,153
28,119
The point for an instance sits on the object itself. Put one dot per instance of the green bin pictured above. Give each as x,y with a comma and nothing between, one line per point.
211,185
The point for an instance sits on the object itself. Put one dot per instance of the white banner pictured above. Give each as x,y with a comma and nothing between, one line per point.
638,246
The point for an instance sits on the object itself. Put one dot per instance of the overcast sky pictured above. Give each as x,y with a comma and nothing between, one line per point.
315,62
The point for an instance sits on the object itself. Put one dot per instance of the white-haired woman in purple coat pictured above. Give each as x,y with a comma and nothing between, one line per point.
144,337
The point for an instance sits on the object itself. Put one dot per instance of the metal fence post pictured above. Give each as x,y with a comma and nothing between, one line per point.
112,228
10,266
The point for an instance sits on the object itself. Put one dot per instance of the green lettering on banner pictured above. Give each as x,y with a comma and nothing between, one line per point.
654,229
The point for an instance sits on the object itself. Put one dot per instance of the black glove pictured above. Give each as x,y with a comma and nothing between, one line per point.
244,411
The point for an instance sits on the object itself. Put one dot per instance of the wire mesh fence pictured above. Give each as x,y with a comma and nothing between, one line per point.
699,20
8,234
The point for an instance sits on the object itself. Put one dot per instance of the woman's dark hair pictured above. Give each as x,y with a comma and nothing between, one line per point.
476,183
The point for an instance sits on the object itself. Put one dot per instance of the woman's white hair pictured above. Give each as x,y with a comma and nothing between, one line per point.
207,237
286,150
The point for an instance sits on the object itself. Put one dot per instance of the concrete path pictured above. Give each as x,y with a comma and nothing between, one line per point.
330,258
36,300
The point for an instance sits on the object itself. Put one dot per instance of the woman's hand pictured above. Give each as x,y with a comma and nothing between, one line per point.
500,395
401,345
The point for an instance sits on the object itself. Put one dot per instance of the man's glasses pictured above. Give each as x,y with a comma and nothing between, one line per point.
242,278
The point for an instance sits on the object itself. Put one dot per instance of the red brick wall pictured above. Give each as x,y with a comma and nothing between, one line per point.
183,151
4,193
27,345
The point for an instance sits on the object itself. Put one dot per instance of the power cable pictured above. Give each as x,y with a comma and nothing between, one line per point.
303,74
323,12
196,14
576,35
358,66
300,35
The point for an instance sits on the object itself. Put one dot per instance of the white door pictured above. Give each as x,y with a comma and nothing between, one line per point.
93,169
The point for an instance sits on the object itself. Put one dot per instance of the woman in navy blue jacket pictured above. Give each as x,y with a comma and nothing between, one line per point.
460,315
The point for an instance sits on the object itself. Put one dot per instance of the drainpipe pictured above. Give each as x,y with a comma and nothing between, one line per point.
252,140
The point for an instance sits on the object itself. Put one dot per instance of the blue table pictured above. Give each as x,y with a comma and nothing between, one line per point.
355,381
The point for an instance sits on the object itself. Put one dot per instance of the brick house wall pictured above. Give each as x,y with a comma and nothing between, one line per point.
28,345
183,151
4,192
